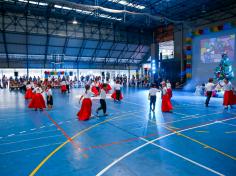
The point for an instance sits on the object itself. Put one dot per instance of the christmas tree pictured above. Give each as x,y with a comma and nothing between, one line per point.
224,70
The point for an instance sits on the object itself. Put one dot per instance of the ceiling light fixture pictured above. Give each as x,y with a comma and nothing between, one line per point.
74,21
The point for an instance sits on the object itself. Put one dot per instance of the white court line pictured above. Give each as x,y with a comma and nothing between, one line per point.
42,127
191,117
180,113
26,149
15,142
22,132
32,129
159,138
234,125
26,134
183,157
11,135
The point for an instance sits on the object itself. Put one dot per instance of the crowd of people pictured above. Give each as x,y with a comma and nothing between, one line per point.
96,87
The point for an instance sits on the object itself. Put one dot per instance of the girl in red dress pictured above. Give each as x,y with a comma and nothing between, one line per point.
63,87
166,105
117,95
96,87
37,101
29,93
86,107
229,96
169,90
108,87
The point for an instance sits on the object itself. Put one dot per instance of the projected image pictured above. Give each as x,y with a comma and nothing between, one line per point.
212,48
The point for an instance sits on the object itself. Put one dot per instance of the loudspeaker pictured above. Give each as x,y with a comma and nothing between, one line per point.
71,73
16,74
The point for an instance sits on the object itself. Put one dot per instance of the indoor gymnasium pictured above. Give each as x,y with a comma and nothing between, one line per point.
117,88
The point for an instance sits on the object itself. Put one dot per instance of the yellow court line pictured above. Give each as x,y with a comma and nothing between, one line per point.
73,137
194,140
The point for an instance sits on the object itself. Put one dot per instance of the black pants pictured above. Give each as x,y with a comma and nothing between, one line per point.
68,88
103,106
152,102
209,93
118,95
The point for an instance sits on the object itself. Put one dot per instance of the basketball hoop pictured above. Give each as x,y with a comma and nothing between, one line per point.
57,59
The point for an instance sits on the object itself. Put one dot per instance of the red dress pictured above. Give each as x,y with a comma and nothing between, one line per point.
169,91
166,105
63,88
113,95
95,91
37,101
28,94
108,88
85,110
229,98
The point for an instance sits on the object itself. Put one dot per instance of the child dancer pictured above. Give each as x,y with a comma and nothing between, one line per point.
96,87
117,95
37,101
209,88
166,105
229,97
103,100
108,86
49,97
168,86
68,85
63,86
152,96
86,108
29,93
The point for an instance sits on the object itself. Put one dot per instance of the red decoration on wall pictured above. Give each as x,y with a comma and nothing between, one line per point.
220,28
188,47
200,31
188,66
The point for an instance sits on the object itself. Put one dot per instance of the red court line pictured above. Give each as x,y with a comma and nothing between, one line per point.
64,133
147,136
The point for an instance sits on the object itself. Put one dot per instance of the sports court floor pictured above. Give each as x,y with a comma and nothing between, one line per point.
191,141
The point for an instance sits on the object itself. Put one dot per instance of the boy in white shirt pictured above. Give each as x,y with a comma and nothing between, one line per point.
209,87
152,96
117,88
103,100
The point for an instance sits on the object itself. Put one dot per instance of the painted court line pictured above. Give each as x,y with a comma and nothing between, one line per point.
63,132
184,158
31,148
229,124
73,137
144,145
229,132
34,139
11,135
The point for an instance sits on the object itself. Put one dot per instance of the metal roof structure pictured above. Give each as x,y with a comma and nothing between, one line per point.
106,33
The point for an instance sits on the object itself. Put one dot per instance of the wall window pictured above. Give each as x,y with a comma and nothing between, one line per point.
167,49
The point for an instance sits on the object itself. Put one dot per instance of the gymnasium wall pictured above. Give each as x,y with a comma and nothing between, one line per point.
207,51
